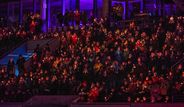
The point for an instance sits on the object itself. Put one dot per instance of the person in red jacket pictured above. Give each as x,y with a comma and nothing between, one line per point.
74,38
32,26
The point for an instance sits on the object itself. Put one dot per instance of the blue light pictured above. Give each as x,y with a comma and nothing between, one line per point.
15,55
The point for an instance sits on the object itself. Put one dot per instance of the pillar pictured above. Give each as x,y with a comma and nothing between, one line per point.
105,8
77,5
142,6
12,10
8,9
162,7
63,7
172,9
110,7
43,14
156,7
71,4
48,14
126,11
34,6
20,11
95,6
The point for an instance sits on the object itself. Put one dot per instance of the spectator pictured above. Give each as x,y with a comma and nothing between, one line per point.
20,64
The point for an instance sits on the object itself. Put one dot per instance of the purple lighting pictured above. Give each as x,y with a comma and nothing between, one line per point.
86,4
63,6
43,13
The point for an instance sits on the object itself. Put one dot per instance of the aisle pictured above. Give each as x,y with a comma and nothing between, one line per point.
15,55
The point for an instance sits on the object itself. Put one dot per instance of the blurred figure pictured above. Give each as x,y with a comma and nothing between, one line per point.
11,67
77,17
20,64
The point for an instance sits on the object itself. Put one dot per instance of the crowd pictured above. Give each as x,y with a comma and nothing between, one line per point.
33,23
74,17
11,37
103,64
117,11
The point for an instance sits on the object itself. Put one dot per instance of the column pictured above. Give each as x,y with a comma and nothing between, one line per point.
12,10
126,11
172,9
105,8
48,14
156,7
71,4
95,6
20,11
63,7
77,5
110,7
34,6
142,6
162,7
8,9
43,14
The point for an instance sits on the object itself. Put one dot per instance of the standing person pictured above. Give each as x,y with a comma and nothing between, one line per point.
38,51
74,38
60,18
84,18
77,17
20,64
72,18
91,17
28,21
11,67
32,26
47,48
39,23
66,18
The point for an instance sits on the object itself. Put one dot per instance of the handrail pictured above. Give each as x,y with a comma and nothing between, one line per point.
176,97
13,48
181,60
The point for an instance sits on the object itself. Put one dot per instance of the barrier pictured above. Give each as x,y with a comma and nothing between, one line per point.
158,105
100,105
128,105
11,104
76,103
71,101
49,101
